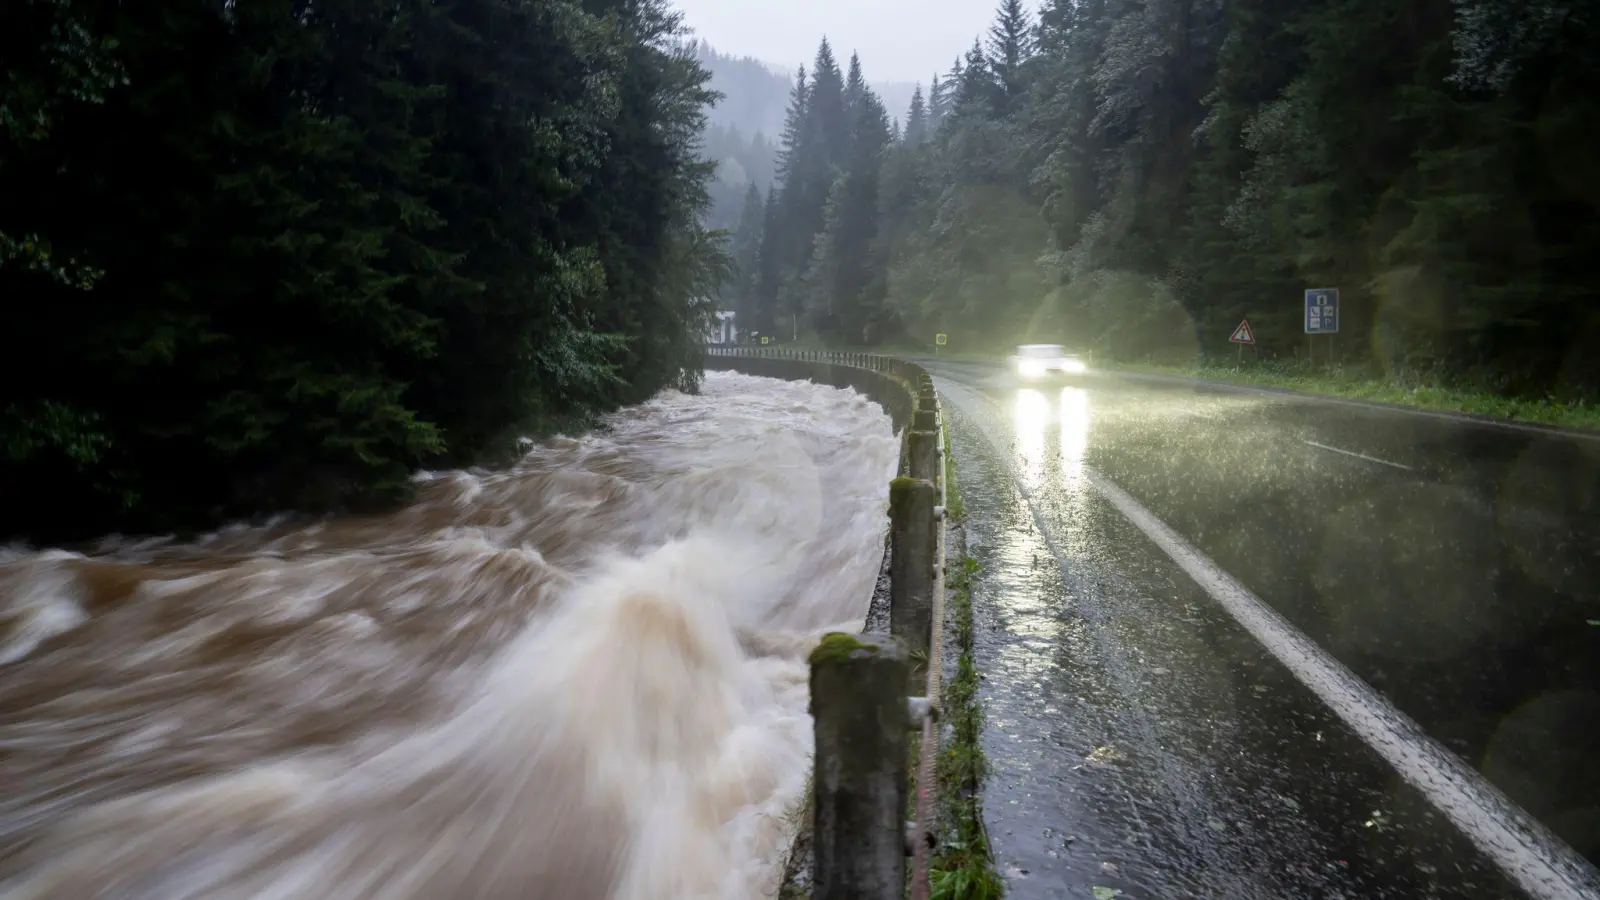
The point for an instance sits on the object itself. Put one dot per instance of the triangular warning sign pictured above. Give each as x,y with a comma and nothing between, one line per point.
1243,334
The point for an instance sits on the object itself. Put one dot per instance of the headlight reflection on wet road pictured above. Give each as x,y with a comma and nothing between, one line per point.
1033,414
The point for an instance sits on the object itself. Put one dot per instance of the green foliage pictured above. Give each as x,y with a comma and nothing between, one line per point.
1134,178
963,868
326,244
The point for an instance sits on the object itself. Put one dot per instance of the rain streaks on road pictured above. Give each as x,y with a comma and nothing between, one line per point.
1260,612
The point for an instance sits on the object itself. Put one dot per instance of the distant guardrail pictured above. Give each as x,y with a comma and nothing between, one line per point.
862,710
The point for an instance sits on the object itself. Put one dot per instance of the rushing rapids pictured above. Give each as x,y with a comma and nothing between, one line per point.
580,678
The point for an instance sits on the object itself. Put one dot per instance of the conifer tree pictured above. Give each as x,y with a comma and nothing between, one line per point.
916,118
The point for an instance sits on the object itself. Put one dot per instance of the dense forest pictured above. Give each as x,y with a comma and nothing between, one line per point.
743,124
1133,177
280,254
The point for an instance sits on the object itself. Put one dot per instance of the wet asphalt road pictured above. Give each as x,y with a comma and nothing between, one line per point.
1142,741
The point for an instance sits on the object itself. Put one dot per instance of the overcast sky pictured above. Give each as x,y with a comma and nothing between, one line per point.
899,40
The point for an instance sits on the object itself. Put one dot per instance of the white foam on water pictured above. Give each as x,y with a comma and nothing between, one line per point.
583,678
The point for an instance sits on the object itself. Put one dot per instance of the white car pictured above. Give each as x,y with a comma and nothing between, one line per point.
1037,361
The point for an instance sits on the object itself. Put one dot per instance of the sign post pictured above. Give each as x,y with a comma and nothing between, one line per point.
1241,336
939,340
1322,314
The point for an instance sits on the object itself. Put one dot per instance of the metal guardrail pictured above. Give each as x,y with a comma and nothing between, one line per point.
862,714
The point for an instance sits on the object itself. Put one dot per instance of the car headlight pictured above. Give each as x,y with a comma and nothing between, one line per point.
1027,368
1074,366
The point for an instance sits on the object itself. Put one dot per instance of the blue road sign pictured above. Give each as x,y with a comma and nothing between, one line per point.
1322,311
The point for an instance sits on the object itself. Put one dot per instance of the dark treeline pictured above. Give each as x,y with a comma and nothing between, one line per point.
1135,176
279,254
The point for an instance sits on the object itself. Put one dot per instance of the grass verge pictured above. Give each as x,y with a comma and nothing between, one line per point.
963,867
1361,384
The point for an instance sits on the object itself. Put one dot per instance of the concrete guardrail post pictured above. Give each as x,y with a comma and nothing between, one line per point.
925,420
924,455
912,541
861,728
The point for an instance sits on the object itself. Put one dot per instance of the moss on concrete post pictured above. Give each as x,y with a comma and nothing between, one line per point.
925,420
924,453
862,732
912,538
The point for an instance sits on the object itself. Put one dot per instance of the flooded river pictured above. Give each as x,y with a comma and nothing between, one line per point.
580,678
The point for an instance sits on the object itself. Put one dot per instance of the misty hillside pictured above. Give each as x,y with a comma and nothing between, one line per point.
896,98
753,92
743,128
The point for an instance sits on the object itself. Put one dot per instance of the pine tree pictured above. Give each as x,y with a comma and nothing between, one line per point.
827,112
1011,43
974,84
794,118
742,289
938,103
844,281
855,85
769,267
916,118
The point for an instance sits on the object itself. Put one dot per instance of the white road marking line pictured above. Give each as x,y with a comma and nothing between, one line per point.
1381,462
1527,852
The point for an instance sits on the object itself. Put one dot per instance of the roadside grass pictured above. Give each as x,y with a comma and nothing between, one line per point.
1358,383
963,866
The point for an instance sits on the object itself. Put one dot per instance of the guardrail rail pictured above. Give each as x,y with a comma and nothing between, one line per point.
862,710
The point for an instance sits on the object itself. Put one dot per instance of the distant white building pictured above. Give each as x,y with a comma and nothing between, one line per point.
723,332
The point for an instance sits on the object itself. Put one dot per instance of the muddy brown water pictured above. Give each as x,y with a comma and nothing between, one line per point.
582,677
